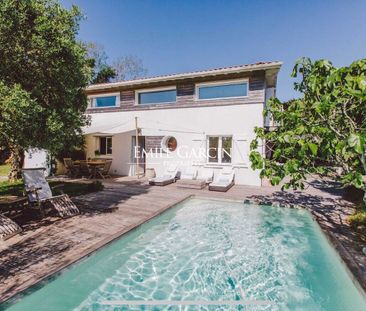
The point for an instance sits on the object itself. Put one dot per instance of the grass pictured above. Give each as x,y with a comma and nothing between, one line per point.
70,188
4,169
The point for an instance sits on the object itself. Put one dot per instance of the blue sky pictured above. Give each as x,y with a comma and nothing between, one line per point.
180,36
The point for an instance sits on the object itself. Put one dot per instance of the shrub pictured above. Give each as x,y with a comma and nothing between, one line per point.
358,221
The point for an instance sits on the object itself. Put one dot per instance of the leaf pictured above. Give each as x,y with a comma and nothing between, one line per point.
356,142
313,148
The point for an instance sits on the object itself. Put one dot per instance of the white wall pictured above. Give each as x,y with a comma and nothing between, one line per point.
121,152
236,120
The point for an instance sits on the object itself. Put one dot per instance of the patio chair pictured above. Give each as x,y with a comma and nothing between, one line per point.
169,176
8,228
71,169
40,194
104,171
224,181
84,169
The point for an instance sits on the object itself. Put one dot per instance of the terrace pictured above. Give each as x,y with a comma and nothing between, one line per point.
46,247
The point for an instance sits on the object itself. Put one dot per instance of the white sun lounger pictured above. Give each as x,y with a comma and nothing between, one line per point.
40,194
169,176
224,181
206,175
188,179
188,174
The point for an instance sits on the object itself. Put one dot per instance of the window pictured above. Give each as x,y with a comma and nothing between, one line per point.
157,97
104,101
216,91
169,143
219,149
105,145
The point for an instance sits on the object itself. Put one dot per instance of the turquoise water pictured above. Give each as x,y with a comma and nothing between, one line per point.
208,250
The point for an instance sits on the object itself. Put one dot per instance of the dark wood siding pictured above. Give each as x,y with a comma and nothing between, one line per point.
186,95
153,143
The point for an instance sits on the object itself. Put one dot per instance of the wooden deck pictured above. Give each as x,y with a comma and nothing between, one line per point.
48,246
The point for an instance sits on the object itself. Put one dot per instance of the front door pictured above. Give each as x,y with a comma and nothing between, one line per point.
137,153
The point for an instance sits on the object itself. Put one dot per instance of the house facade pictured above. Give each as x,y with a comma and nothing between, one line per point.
201,120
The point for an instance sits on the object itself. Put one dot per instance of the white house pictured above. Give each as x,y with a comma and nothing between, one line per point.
201,119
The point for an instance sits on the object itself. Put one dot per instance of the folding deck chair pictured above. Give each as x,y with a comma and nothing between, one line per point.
8,228
40,194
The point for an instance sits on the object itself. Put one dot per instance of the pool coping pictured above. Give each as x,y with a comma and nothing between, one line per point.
355,273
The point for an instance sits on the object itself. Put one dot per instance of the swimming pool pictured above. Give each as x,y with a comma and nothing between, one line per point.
263,257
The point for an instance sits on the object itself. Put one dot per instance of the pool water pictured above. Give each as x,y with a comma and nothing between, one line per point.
208,250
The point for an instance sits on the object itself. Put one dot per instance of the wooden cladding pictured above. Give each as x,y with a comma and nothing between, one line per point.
185,89
186,95
153,143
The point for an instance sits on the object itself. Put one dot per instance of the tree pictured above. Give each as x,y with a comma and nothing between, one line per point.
128,68
123,68
47,69
102,72
19,113
323,132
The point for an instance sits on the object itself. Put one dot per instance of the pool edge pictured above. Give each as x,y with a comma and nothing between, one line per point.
90,251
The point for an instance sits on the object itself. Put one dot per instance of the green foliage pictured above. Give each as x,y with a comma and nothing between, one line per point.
19,116
44,70
321,133
358,221
105,75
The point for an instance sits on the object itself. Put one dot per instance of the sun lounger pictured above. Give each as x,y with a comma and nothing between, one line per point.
8,228
169,176
40,194
206,175
223,182
188,179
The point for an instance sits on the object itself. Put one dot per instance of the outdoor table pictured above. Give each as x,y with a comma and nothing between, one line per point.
94,167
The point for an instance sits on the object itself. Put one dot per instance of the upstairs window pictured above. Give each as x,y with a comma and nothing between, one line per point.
104,101
157,97
105,145
222,90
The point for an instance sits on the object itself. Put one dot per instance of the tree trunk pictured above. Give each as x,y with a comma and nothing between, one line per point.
16,163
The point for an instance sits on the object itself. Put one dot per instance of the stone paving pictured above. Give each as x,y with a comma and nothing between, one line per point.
50,245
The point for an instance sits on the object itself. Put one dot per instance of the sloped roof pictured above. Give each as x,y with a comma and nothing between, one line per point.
194,74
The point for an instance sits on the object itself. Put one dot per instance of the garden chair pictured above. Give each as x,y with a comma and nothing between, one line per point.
40,194
71,169
104,171
85,169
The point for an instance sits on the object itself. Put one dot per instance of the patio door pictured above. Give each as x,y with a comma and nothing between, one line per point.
138,153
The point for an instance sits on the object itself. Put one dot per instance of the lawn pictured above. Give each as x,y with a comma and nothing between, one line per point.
71,188
4,169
